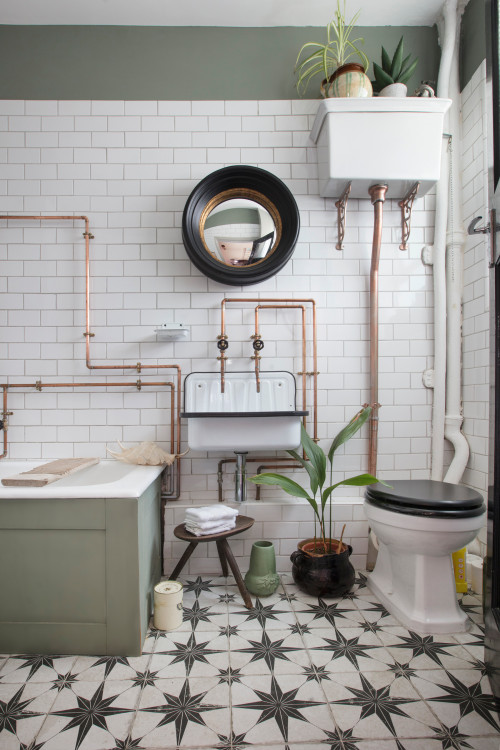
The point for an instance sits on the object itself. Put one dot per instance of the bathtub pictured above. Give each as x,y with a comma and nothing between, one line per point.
109,478
83,555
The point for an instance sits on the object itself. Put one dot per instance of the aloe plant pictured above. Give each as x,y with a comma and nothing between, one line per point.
326,58
395,70
318,496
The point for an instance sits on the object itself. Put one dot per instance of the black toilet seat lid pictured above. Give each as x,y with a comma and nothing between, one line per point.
425,497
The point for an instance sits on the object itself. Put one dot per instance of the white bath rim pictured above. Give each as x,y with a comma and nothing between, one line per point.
107,479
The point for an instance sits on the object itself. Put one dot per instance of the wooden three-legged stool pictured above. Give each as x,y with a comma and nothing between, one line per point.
226,557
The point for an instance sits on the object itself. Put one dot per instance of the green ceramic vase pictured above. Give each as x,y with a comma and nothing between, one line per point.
262,579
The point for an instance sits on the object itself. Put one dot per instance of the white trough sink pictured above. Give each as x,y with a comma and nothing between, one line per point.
241,419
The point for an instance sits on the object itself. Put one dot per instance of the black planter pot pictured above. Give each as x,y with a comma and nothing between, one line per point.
324,575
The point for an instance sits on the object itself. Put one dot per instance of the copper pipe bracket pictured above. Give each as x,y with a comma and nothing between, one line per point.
87,333
312,372
89,235
139,367
341,211
406,205
38,385
138,385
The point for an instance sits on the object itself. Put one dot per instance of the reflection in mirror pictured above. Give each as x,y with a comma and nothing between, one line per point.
239,232
240,227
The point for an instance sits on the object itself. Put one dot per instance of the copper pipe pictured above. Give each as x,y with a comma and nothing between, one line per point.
304,360
261,459
377,195
5,414
315,346
273,466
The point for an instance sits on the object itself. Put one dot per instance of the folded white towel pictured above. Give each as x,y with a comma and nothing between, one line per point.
211,513
208,525
227,526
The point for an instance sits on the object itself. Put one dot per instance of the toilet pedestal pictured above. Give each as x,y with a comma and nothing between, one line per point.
420,592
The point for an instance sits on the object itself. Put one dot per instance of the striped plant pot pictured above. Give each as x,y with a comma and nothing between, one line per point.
349,80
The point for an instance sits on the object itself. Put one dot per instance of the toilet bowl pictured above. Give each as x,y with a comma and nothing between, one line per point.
419,523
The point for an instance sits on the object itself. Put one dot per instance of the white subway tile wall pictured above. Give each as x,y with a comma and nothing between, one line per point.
474,153
130,167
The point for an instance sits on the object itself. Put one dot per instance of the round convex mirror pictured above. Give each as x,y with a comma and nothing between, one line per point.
240,225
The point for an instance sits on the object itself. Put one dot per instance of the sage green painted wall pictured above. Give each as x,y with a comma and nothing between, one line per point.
472,40
142,62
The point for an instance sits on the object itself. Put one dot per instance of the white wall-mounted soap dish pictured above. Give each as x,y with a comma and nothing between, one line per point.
172,332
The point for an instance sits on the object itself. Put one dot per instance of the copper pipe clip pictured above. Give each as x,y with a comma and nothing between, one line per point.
313,372
138,385
87,333
38,385
89,235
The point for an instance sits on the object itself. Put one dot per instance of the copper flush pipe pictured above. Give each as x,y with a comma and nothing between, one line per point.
377,195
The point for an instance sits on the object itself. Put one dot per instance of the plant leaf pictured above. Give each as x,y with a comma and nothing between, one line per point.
286,484
313,474
396,61
315,455
407,74
383,79
349,430
386,61
361,480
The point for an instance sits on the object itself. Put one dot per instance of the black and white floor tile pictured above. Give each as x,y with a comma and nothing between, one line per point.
293,673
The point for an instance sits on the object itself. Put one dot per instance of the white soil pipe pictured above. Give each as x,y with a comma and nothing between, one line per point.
456,239
448,33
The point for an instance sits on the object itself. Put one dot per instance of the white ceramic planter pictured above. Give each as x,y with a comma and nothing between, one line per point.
394,89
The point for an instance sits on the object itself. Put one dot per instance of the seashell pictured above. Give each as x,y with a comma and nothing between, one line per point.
144,454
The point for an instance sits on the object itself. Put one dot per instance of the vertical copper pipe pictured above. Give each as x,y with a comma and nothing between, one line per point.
304,358
4,408
377,195
256,354
314,373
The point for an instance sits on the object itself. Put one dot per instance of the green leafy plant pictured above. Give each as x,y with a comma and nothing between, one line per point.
397,70
324,59
318,496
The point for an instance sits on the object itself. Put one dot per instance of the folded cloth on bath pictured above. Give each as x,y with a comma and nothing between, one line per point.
215,528
210,513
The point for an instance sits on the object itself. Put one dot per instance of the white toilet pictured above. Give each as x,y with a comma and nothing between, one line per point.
419,523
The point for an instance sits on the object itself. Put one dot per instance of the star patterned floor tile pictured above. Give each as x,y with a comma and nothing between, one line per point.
183,713
424,651
276,708
375,612
351,649
90,715
34,668
378,705
268,613
198,616
460,698
191,654
327,613
263,652
99,668
23,709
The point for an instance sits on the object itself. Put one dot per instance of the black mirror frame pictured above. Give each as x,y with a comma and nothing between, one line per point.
278,200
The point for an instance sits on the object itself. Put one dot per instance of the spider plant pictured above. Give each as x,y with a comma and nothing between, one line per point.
324,59
318,496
